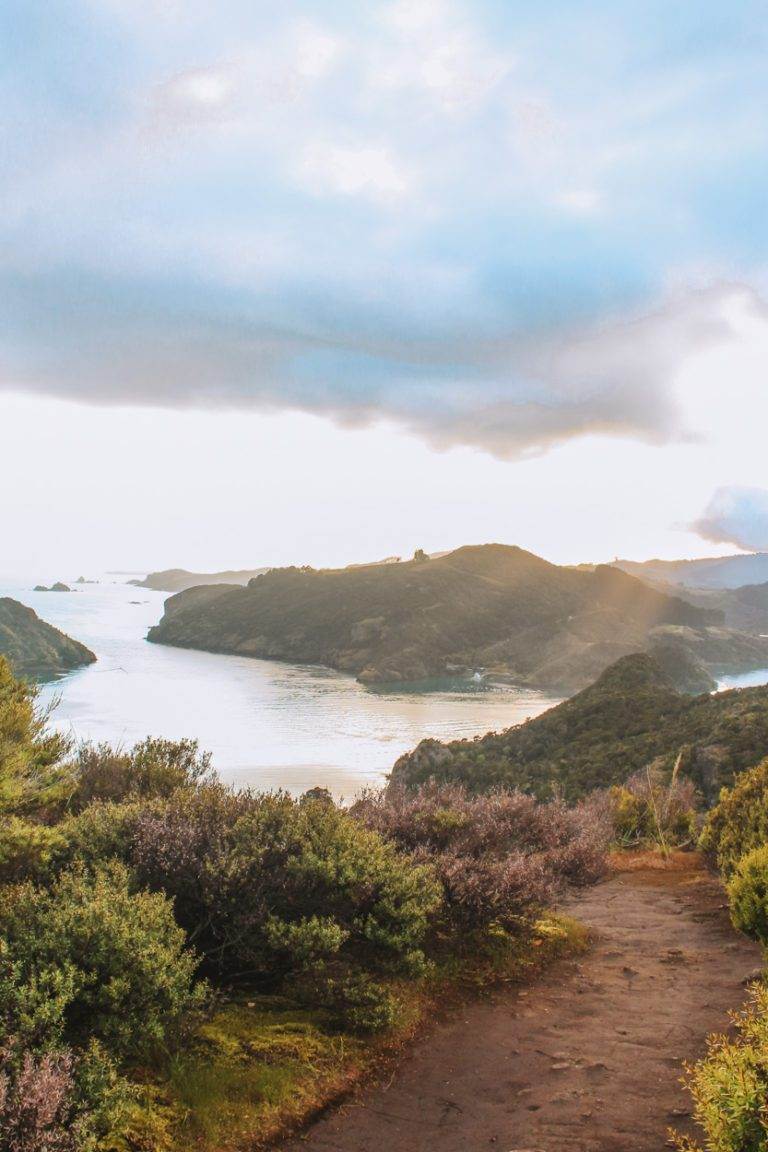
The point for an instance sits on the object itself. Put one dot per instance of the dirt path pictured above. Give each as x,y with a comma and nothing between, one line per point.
586,1060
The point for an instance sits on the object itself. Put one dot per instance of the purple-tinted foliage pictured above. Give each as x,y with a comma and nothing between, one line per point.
499,856
37,1113
264,884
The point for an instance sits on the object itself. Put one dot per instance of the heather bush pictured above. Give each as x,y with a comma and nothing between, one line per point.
652,808
748,894
90,957
499,857
729,1085
739,822
267,886
60,1101
154,768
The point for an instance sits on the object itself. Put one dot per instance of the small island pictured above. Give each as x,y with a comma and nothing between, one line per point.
57,587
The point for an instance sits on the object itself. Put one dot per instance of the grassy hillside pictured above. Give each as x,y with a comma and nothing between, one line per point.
490,607
34,648
629,717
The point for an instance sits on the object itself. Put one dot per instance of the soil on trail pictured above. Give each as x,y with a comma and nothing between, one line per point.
588,1059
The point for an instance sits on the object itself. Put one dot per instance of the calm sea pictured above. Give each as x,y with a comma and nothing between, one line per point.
268,725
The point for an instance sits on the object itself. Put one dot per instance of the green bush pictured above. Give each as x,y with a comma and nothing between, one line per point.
363,1005
739,822
27,850
92,958
29,755
276,888
154,768
748,894
102,831
730,1085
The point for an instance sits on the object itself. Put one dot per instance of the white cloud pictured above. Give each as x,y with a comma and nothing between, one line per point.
736,516
580,201
372,171
317,50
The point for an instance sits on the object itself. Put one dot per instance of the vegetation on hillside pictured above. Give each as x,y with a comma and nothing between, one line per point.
494,608
729,1086
34,648
183,966
629,718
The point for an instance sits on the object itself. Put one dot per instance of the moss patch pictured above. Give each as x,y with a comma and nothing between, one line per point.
262,1066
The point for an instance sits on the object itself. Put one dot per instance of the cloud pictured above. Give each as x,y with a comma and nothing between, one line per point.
370,170
512,396
737,516
427,211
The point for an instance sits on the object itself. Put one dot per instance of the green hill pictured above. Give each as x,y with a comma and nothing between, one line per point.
628,718
36,649
493,608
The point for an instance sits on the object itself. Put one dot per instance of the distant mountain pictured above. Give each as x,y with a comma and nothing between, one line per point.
493,608
744,608
713,572
34,648
628,718
178,579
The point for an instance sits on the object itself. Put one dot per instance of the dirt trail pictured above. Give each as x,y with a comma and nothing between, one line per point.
585,1060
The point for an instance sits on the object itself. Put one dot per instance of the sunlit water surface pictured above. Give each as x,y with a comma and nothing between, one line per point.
268,725
743,680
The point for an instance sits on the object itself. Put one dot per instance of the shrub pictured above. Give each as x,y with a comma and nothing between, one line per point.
29,755
102,831
362,1004
499,857
59,1101
730,1085
748,894
649,808
739,822
27,850
268,886
155,768
91,957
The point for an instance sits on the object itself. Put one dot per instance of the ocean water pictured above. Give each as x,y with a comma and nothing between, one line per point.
743,680
268,725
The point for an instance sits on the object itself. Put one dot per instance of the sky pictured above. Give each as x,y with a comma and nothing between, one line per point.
326,282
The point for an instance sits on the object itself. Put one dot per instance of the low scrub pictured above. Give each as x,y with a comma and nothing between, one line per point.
739,822
30,754
748,894
153,769
654,808
61,1101
267,887
92,958
499,857
730,1085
